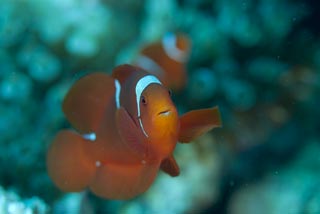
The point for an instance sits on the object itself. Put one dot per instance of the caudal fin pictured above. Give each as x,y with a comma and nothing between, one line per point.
123,181
68,162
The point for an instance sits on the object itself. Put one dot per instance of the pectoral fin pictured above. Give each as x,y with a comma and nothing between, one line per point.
129,132
170,166
197,122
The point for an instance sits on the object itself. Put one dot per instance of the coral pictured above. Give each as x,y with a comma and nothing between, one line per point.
13,23
15,87
12,203
239,94
291,189
41,64
73,203
202,85
159,16
265,69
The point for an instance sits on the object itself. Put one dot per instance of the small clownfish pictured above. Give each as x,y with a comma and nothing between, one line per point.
166,59
126,130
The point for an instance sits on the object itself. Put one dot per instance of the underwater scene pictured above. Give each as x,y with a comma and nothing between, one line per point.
159,106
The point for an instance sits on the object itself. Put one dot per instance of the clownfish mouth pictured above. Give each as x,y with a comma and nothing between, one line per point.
164,113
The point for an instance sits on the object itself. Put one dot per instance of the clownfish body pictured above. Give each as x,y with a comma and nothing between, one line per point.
166,59
126,130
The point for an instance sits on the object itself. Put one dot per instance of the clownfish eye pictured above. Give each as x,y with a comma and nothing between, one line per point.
170,92
143,100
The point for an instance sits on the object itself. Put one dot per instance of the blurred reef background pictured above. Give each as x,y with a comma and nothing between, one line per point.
259,60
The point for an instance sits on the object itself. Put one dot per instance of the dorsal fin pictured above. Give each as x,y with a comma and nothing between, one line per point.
122,72
86,102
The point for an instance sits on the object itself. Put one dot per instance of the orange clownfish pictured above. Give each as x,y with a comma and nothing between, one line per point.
166,59
126,130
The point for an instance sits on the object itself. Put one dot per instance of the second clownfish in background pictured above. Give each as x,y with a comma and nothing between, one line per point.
126,129
166,59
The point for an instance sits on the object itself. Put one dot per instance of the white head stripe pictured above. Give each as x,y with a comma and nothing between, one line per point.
141,85
150,65
169,43
117,93
142,128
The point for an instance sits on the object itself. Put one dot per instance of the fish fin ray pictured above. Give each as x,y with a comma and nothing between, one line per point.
86,102
68,162
123,181
197,122
130,134
170,166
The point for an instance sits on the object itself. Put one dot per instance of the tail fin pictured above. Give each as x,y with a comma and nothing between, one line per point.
68,163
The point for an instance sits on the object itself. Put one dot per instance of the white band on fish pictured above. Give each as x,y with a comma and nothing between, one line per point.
90,136
142,128
117,93
142,84
169,43
149,64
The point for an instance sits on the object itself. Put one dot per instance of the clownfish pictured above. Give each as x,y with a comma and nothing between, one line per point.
126,129
166,59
